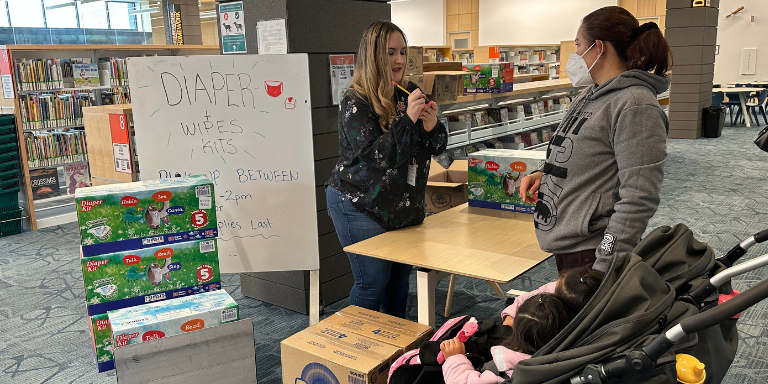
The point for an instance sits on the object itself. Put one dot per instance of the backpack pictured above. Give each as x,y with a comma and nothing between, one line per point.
424,365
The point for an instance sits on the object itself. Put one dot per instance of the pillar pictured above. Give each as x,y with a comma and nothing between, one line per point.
190,21
692,35
319,28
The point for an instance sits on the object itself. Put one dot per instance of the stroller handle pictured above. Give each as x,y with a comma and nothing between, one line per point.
740,250
707,288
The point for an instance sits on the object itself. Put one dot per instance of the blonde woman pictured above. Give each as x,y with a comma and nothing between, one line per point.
386,141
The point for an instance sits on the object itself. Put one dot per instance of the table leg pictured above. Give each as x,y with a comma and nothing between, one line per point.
449,298
426,282
743,100
495,287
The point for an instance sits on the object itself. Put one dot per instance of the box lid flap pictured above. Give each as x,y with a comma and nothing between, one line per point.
439,184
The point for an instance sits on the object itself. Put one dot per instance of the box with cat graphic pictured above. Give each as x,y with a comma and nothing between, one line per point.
120,217
172,317
101,341
494,177
124,279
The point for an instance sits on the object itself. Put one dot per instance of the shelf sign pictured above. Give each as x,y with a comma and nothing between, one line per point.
5,74
493,54
232,28
701,3
118,126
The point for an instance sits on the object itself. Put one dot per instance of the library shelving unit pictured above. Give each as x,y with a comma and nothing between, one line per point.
60,209
524,93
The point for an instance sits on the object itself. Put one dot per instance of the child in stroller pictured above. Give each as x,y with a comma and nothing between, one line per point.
536,318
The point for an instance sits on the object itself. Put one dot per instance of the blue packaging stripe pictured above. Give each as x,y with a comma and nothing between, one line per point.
148,242
106,366
101,308
502,206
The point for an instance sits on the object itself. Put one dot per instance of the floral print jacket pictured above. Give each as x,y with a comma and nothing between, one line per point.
372,171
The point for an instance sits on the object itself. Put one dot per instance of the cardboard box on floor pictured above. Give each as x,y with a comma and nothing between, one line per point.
355,345
446,188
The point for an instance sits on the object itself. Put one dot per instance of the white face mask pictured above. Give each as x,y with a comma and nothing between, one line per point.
577,69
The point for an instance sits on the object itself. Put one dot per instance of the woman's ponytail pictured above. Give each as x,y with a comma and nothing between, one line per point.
639,46
649,51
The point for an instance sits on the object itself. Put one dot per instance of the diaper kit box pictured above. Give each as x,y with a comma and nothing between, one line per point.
354,345
383,328
327,354
172,317
446,188
101,340
119,217
124,279
494,177
489,78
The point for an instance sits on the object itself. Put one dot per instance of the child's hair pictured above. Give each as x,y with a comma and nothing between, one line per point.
577,286
537,321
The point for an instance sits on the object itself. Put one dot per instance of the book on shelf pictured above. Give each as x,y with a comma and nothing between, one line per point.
76,175
44,183
117,69
55,148
85,75
48,110
38,74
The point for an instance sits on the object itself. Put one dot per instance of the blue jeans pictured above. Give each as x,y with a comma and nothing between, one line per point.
380,285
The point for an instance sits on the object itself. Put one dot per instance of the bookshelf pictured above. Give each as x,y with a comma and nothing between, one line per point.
63,122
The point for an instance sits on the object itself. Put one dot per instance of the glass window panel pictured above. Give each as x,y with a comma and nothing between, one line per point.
118,16
93,15
60,14
4,15
26,13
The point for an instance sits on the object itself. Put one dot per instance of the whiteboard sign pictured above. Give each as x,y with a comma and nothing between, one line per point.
245,122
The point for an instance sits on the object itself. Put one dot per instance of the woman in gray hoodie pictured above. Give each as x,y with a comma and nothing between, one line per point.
605,164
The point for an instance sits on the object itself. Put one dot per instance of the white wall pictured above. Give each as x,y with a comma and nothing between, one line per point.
736,33
520,22
423,21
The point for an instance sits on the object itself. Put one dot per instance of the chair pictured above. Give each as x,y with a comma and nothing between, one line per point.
759,106
733,101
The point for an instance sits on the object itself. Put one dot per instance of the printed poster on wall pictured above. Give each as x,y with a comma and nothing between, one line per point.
232,28
342,71
44,182
77,176
273,39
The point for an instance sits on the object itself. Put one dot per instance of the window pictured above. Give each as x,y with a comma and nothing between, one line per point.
60,14
118,15
93,14
26,13
4,14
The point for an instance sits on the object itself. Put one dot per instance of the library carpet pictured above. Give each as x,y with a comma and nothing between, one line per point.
715,186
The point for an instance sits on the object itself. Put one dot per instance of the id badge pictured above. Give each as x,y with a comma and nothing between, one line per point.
412,174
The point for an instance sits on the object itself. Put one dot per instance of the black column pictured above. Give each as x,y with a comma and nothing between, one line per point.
318,28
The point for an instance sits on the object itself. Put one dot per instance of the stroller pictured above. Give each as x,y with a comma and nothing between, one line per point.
660,300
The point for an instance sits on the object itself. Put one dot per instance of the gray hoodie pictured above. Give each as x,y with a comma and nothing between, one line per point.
604,169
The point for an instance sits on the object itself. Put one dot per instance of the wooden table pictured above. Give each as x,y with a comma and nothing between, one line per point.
482,243
743,93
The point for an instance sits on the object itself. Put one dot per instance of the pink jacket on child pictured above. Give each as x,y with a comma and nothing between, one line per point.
459,370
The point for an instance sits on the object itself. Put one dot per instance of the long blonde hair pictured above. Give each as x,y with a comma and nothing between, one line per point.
373,75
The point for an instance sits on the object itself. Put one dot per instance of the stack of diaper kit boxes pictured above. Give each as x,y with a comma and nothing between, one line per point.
146,242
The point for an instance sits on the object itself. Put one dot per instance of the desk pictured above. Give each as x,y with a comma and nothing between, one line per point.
481,243
743,92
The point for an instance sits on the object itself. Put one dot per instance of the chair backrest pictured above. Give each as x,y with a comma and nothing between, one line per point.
717,98
762,96
733,97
